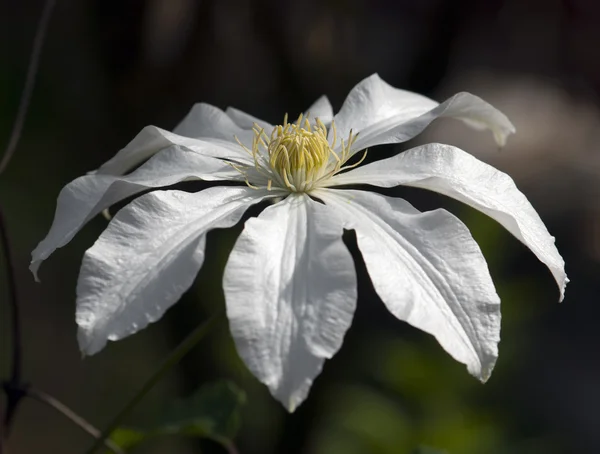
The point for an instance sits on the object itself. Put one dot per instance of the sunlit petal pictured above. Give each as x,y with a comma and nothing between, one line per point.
147,257
290,288
151,140
428,271
85,197
382,114
450,171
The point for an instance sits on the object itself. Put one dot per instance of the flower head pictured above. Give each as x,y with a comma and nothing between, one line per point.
289,283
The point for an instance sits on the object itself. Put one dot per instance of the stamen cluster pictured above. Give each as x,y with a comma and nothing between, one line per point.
297,156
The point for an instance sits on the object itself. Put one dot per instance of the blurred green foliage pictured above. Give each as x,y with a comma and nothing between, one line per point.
427,450
212,412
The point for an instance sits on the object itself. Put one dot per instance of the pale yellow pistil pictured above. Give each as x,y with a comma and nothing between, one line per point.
297,156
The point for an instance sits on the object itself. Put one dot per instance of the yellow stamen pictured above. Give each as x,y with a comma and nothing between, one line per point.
297,156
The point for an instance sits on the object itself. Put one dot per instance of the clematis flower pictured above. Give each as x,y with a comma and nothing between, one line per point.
290,282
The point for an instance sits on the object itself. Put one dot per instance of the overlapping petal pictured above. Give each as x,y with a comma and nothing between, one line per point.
455,173
151,140
290,288
382,114
428,271
207,121
246,121
322,110
147,257
85,197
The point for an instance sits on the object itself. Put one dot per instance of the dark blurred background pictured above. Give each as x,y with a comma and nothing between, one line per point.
111,67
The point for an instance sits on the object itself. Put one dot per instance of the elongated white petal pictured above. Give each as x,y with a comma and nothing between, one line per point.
382,114
290,288
151,140
322,110
247,121
206,121
428,271
455,173
147,257
85,197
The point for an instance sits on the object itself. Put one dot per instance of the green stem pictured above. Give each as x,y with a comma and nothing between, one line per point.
174,357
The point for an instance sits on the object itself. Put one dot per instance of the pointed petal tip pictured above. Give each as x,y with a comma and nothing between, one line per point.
501,135
87,345
484,373
34,267
500,139
481,115
89,349
562,288
291,402
482,367
289,399
291,407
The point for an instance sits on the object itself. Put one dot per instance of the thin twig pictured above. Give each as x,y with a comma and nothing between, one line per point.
12,398
174,357
32,70
54,403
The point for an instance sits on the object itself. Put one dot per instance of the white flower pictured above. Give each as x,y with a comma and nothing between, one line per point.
290,284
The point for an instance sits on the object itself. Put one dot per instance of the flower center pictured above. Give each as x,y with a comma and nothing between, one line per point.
297,156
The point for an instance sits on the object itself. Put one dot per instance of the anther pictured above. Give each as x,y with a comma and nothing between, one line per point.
298,155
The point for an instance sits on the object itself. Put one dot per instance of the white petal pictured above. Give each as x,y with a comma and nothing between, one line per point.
290,288
428,271
151,140
147,257
322,110
85,197
383,114
455,173
247,121
206,121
